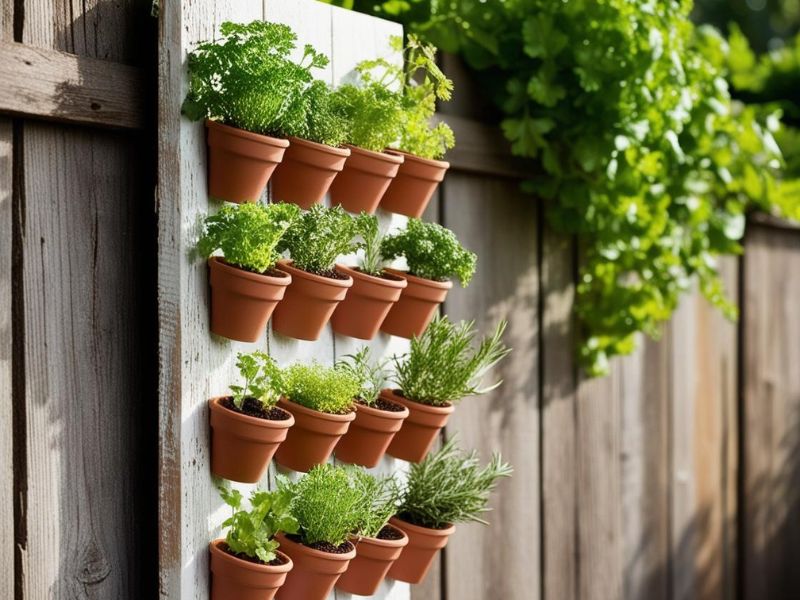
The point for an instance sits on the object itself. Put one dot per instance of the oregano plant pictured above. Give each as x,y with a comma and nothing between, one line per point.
325,389
318,237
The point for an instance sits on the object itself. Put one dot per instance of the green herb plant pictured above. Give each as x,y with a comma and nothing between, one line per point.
327,503
252,532
245,79
444,365
372,261
318,237
325,389
381,495
262,379
247,234
431,252
322,122
450,487
370,374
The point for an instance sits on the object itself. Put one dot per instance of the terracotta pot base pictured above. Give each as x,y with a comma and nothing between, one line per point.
364,179
417,557
374,558
314,573
413,312
307,171
416,181
370,434
367,303
233,578
420,429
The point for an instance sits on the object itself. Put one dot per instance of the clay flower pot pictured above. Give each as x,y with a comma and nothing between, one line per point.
417,306
362,183
420,429
417,557
366,305
234,578
315,572
307,171
240,162
312,438
242,302
242,445
370,433
309,303
374,558
415,183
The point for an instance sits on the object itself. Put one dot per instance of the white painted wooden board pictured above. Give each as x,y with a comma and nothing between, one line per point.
206,362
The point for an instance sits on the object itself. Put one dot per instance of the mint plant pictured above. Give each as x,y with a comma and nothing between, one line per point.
327,503
449,487
325,389
252,532
247,234
370,374
444,365
318,237
262,379
431,251
381,496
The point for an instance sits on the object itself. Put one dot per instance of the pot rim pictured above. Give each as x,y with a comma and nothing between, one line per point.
283,538
215,405
214,546
391,415
362,539
293,272
407,156
297,141
354,273
244,133
393,158
447,531
420,406
220,263
431,283
317,413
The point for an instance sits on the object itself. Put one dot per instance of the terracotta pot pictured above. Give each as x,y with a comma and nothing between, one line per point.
417,557
309,303
366,305
362,183
314,573
242,302
415,183
240,162
368,569
237,579
413,312
312,438
370,434
241,445
307,171
420,429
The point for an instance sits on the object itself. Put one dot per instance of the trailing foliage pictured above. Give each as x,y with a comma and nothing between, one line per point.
262,379
641,151
327,503
325,389
450,487
251,532
247,234
443,365
381,496
318,237
370,374
246,79
431,251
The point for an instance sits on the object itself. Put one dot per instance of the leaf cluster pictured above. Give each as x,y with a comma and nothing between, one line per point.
252,532
327,502
321,121
262,379
318,237
444,365
374,113
381,496
325,389
449,487
431,252
370,374
372,261
247,234
246,79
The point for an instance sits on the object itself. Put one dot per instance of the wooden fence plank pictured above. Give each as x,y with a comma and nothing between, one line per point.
485,561
6,351
771,415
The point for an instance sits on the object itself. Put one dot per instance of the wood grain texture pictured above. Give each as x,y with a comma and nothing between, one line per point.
58,86
6,360
480,561
771,415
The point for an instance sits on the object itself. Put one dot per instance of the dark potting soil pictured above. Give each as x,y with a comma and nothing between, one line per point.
406,518
330,274
253,408
402,395
276,562
382,404
343,548
390,533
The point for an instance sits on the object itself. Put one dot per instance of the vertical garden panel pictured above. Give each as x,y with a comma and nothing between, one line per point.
495,220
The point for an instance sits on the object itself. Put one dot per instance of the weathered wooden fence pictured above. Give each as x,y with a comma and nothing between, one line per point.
677,477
